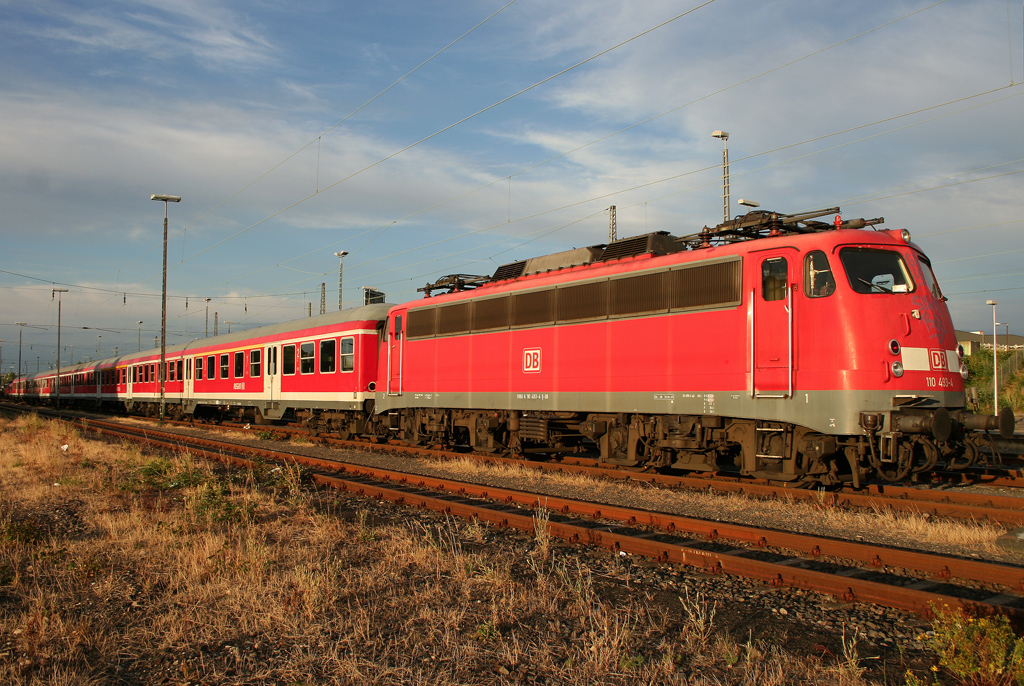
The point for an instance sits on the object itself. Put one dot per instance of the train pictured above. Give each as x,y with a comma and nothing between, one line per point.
779,346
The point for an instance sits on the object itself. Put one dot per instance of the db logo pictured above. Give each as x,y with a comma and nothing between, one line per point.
938,359
531,360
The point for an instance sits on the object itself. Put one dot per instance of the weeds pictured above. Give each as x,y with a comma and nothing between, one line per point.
977,651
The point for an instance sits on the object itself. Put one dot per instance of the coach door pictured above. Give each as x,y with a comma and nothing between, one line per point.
189,388
771,329
396,346
272,382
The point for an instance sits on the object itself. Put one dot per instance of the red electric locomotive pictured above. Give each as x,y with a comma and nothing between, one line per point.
778,345
792,349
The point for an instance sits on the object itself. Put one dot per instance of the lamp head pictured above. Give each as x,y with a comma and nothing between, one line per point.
166,198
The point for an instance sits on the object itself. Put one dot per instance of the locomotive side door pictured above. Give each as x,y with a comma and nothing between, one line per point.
771,329
396,345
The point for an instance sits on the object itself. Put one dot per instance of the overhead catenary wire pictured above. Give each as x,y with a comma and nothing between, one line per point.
607,50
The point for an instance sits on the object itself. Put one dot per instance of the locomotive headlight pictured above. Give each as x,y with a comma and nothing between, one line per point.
963,371
960,351
897,369
905,235
894,347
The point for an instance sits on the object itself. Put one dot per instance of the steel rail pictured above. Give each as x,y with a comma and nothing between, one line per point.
993,507
789,571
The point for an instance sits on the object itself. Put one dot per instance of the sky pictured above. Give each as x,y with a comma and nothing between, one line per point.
432,137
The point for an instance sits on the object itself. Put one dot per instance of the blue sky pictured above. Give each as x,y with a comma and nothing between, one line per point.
429,138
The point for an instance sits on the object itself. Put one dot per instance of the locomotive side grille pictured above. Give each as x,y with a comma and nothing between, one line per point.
659,243
509,271
491,314
453,319
533,308
586,301
421,322
707,285
636,294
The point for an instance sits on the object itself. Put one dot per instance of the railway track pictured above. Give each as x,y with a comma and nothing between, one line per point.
942,498
855,572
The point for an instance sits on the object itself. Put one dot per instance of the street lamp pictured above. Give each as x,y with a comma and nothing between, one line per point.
207,317
995,359
724,135
341,260
21,329
99,339
140,334
163,305
58,291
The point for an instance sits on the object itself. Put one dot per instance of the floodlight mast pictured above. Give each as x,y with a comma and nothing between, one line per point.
163,305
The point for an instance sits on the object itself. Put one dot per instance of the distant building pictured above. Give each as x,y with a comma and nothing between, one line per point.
976,341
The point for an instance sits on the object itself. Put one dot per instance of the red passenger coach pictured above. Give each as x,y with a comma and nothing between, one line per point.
318,370
324,364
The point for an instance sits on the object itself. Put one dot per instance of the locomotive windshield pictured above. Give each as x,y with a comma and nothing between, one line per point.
929,278
876,271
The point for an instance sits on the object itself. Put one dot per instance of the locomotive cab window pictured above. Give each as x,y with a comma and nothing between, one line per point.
327,359
774,278
819,281
348,354
870,270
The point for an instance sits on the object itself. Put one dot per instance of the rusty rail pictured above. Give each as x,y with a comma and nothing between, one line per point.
661,536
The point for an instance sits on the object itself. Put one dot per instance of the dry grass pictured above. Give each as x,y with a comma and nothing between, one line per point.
121,567
883,525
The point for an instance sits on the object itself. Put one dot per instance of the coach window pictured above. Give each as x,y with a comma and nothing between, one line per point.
199,369
178,364
211,367
224,366
327,350
818,279
774,278
170,371
288,359
254,363
239,364
348,354
306,353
